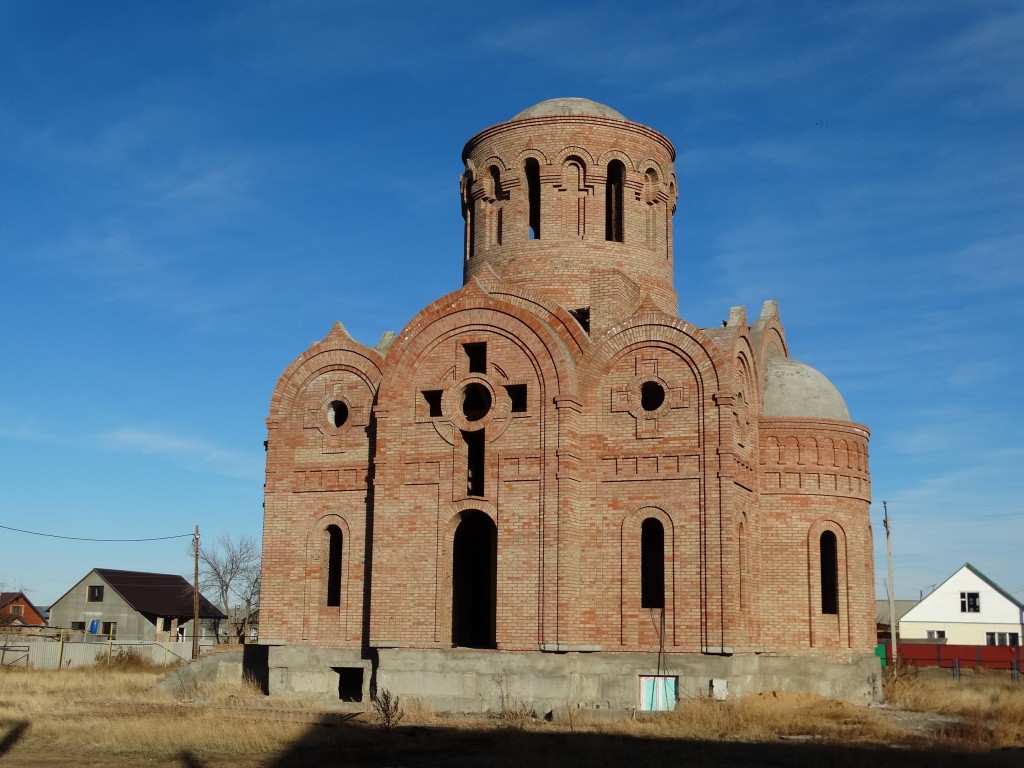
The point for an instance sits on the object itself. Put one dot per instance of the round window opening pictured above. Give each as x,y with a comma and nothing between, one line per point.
652,395
476,401
337,413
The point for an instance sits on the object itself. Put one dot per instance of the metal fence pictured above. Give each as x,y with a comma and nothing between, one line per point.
958,656
84,651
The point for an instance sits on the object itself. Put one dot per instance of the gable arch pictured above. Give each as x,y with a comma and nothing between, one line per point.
655,329
470,307
336,352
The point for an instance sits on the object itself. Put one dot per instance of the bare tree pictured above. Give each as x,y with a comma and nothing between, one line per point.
230,569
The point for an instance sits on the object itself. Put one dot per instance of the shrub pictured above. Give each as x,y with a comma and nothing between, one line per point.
125,659
387,709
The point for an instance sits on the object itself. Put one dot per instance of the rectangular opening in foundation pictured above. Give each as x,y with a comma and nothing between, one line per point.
350,683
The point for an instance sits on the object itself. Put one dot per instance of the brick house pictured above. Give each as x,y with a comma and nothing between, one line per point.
550,484
135,605
16,610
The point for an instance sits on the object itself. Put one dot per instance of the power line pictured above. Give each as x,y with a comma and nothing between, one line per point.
83,538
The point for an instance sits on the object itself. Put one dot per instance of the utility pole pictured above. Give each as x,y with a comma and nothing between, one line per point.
196,595
892,587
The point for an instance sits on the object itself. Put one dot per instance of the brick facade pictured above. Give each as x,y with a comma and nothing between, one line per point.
540,453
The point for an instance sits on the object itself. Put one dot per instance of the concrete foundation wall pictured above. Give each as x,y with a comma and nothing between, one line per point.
309,671
481,681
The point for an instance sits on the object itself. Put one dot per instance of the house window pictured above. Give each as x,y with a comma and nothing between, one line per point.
95,595
970,602
652,564
110,629
936,634
78,625
829,553
1002,638
17,610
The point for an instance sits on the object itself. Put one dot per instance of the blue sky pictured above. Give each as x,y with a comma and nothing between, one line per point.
194,192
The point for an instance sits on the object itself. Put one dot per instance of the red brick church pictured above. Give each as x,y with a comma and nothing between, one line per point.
550,485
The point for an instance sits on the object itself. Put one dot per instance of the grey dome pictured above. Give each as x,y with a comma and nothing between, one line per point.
569,106
792,388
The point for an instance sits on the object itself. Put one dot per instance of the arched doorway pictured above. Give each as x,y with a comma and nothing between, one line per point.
474,580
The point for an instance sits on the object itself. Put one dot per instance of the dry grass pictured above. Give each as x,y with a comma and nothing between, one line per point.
990,705
110,711
112,716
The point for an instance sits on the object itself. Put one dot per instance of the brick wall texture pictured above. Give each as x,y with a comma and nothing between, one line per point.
484,478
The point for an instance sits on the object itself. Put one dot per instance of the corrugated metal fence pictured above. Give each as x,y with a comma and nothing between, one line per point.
51,654
948,656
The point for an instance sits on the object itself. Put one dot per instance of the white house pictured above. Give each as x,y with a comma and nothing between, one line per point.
968,608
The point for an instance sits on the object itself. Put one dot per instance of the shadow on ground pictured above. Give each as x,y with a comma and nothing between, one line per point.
13,736
335,741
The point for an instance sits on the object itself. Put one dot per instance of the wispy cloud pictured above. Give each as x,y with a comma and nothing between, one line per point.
122,265
989,57
193,453
953,515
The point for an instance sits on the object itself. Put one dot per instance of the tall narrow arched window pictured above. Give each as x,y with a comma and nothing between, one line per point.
829,548
497,194
613,201
532,168
742,537
653,223
467,206
652,564
332,544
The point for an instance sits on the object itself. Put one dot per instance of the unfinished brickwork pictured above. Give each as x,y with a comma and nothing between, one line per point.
550,461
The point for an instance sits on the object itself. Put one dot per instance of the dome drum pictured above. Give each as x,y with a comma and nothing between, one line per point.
549,197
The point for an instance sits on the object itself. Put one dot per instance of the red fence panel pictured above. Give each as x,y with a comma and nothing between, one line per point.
944,656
